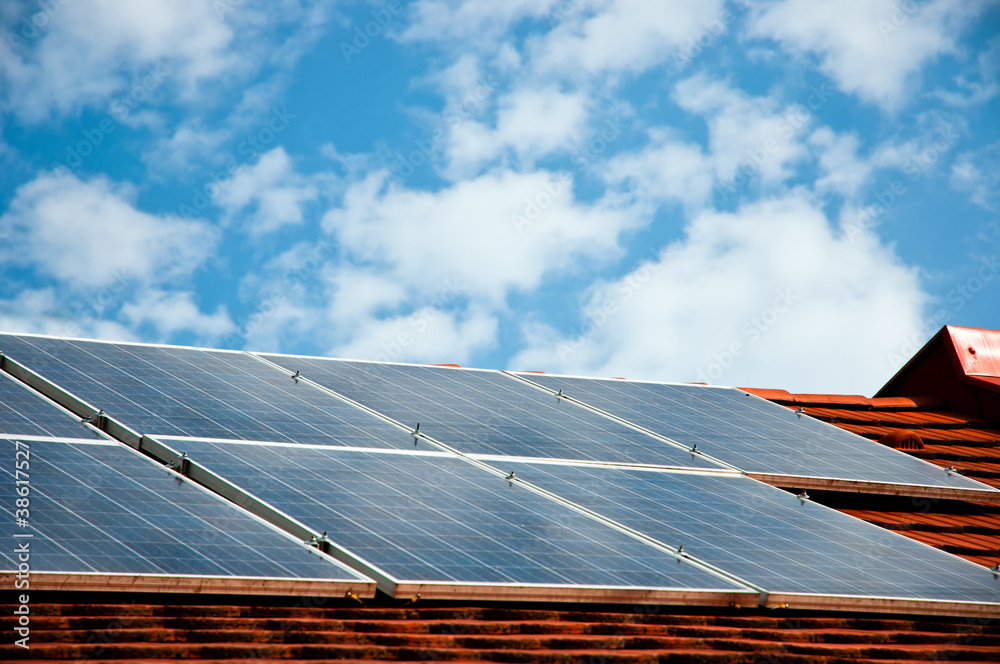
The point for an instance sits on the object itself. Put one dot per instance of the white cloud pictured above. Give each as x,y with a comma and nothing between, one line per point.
769,296
871,48
624,35
91,50
170,313
272,188
78,60
358,294
478,21
665,169
530,123
748,137
86,234
843,170
987,70
187,145
428,335
746,134
499,232
977,173
44,311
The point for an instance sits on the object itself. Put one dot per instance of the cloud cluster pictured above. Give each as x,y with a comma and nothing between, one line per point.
771,292
872,48
91,241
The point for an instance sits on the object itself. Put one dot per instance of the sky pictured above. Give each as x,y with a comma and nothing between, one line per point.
779,193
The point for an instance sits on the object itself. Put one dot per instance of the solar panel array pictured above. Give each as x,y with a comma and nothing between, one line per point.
485,412
435,517
763,535
102,507
166,391
750,433
506,489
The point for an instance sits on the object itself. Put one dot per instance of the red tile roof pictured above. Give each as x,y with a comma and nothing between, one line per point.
957,425
332,631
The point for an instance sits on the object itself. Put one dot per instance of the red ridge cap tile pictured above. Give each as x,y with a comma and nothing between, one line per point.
895,403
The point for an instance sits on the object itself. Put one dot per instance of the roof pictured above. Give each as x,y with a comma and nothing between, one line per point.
943,406
959,365
332,630
948,438
948,420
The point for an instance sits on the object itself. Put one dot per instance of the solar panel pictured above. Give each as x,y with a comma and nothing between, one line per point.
486,412
431,517
765,535
24,412
101,507
750,433
160,390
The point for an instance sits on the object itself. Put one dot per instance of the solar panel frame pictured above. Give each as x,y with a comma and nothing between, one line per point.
478,411
263,481
91,501
817,443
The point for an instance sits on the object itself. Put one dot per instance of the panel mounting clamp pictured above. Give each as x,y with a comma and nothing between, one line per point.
181,464
94,418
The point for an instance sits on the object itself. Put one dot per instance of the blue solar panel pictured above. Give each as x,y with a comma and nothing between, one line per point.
23,412
765,535
102,507
750,433
486,412
432,517
172,391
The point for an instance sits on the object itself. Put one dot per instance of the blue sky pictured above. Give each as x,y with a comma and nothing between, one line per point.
787,193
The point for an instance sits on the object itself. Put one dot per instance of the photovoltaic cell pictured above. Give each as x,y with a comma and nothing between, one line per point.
750,433
765,535
435,517
485,412
102,507
26,413
169,391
